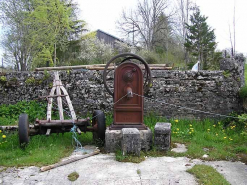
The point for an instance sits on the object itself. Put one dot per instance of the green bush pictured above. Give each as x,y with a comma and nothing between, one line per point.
34,110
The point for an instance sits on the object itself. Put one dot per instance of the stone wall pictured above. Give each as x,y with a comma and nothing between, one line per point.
213,91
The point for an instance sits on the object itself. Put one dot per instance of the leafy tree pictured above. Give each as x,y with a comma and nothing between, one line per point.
16,41
200,39
36,29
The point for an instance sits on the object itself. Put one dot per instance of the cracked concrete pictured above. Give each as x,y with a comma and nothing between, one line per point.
103,169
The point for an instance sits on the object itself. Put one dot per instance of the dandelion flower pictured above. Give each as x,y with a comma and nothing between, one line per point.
214,125
191,129
189,132
177,128
216,134
230,139
176,120
225,137
208,129
0,131
3,136
219,123
190,125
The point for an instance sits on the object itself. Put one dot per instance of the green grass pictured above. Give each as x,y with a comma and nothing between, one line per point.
207,175
225,140
41,150
221,142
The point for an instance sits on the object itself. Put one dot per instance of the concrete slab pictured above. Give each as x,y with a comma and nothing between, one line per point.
181,148
103,169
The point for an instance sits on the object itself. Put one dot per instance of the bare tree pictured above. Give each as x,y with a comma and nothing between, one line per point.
233,38
183,13
146,23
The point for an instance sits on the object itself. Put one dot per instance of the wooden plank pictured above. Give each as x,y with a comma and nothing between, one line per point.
58,92
50,100
71,109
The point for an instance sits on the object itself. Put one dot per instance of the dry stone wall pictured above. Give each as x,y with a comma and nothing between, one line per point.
209,91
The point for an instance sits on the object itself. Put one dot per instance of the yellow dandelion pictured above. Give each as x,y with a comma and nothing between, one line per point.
191,129
177,128
176,120
0,131
219,123
208,129
3,136
230,139
225,137
189,132
214,125
190,125
216,134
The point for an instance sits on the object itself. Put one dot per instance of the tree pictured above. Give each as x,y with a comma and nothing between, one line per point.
200,39
49,22
16,41
183,12
146,22
36,29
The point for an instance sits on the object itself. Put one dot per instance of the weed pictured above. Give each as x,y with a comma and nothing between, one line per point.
207,175
226,74
138,171
129,157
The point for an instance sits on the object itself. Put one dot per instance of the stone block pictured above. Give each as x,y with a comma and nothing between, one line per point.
162,135
146,139
131,141
112,140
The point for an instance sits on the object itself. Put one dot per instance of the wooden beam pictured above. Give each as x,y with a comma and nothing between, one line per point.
101,67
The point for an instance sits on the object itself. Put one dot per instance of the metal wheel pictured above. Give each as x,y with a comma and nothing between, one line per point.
98,123
129,57
23,130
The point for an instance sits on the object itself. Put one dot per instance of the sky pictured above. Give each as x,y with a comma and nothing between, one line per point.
103,14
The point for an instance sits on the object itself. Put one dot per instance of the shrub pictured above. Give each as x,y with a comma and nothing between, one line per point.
243,92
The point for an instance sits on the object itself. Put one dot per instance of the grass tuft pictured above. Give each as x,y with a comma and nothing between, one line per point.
207,175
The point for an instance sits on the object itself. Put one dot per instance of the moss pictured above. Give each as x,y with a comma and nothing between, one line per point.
30,81
73,176
3,79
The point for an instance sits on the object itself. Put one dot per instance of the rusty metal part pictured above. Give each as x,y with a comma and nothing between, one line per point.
128,56
129,110
119,127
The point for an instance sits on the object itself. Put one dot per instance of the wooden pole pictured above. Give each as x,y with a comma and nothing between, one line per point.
45,168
